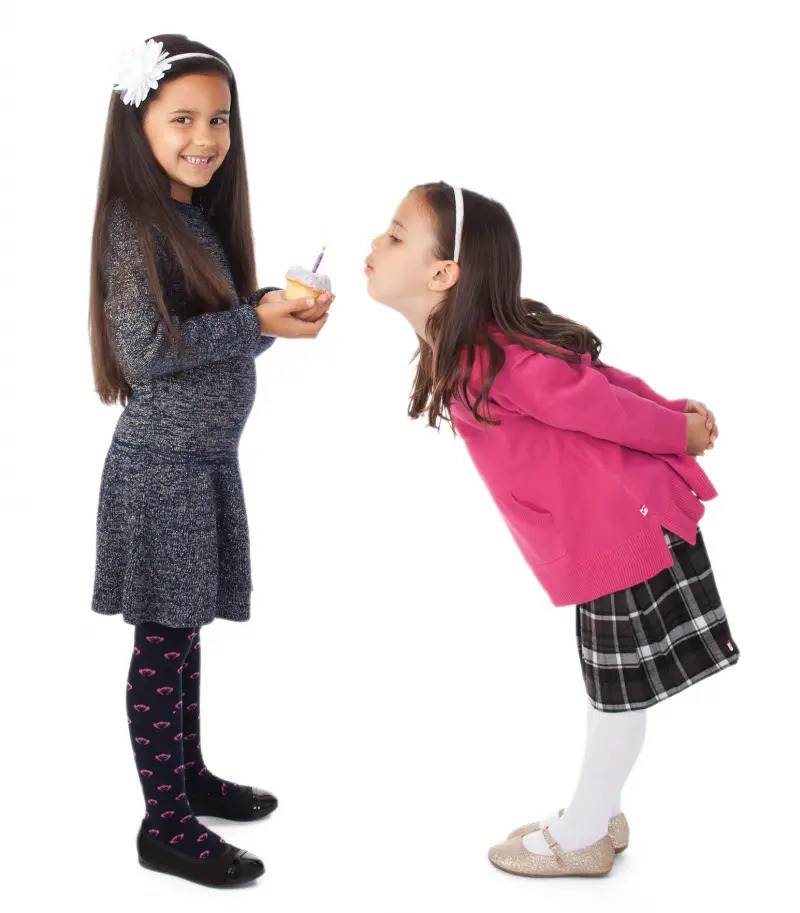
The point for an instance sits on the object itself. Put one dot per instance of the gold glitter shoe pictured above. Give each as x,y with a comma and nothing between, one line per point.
618,831
595,859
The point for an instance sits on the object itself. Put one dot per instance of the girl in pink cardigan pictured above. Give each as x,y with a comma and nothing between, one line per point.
595,475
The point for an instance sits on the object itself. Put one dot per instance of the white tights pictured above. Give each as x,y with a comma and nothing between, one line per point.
613,742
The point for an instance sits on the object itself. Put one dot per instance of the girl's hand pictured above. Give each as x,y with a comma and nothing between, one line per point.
275,314
698,435
700,408
321,307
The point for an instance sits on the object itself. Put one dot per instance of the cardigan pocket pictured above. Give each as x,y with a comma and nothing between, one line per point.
534,529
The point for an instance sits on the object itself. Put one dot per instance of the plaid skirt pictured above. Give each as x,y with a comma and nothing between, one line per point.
642,644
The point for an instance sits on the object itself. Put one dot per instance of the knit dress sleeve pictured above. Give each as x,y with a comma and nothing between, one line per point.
265,341
577,397
143,346
636,385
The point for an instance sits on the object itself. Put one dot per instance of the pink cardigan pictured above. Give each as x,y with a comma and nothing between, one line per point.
587,466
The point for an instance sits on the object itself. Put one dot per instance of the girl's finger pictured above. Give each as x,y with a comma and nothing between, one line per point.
312,315
298,328
310,329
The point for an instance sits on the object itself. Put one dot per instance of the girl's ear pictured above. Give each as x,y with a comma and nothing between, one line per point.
446,276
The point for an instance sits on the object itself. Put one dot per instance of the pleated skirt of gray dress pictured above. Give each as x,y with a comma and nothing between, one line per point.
172,538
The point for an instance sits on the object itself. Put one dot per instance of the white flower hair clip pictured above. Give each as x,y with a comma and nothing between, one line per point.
140,68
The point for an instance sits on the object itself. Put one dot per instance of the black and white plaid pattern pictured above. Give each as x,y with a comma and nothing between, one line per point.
642,644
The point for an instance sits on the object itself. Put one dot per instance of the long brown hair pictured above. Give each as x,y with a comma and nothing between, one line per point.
129,171
488,291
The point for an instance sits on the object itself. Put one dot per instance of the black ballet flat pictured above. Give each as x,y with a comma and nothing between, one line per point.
232,867
246,804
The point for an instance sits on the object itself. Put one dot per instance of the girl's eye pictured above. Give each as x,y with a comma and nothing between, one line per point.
185,116
394,238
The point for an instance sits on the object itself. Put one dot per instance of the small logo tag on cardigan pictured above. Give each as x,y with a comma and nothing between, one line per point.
730,646
643,510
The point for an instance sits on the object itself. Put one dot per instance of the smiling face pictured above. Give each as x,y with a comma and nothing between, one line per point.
189,120
402,271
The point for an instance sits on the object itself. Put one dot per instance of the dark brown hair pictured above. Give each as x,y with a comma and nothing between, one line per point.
129,171
487,292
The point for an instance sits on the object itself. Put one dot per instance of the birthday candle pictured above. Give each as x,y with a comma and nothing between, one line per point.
319,260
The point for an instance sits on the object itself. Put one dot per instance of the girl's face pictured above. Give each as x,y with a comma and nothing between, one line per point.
188,118
402,272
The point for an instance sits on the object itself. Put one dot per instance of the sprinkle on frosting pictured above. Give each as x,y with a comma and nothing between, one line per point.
317,281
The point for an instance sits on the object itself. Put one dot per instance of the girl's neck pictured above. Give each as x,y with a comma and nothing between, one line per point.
184,203
418,323
417,317
181,192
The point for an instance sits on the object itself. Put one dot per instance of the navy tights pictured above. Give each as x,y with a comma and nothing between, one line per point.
163,717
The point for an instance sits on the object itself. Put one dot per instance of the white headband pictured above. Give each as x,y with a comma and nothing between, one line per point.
459,220
139,69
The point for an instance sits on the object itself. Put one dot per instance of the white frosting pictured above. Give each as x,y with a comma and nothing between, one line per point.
317,281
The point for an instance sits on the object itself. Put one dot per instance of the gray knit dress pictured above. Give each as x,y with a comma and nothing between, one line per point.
172,533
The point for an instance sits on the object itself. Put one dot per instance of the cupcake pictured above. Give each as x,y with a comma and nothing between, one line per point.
302,283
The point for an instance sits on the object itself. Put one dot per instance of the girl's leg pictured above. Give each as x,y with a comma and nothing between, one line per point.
591,715
208,793
616,798
613,743
155,720
199,779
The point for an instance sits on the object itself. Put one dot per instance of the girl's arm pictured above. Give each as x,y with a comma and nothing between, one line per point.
144,348
576,397
265,341
636,385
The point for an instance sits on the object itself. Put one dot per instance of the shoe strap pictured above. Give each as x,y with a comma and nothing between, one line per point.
554,845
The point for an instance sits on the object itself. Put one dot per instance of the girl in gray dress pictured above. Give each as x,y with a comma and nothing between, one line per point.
176,323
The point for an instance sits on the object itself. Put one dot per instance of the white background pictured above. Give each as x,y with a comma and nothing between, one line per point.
404,685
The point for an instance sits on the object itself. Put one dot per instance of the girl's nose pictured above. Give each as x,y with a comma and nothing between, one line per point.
203,135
